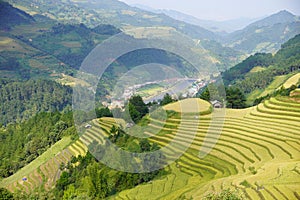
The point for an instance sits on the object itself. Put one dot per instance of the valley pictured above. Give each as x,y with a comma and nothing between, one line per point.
196,109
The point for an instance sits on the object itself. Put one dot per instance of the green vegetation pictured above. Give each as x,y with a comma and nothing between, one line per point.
166,100
40,160
282,91
59,42
22,100
136,109
284,62
238,71
103,112
150,90
141,57
265,35
95,180
224,195
5,194
42,174
11,16
250,149
235,98
22,143
250,154
256,156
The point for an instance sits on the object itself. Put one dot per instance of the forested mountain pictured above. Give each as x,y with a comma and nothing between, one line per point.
93,13
22,100
49,47
259,70
45,48
11,16
265,35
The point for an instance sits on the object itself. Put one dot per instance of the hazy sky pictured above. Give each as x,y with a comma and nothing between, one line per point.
223,9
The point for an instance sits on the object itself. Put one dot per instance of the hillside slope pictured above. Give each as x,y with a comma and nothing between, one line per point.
251,156
265,35
11,16
259,71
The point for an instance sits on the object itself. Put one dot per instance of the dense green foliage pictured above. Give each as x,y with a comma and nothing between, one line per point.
69,43
238,71
23,142
5,194
166,100
281,92
136,108
103,112
235,98
11,16
106,29
93,180
285,61
22,100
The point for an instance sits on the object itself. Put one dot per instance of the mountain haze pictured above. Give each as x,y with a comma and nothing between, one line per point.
220,27
265,35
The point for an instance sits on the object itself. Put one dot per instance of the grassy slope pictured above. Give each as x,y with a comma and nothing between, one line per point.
278,81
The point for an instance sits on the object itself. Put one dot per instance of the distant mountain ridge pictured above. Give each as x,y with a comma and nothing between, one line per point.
221,27
119,14
265,35
282,16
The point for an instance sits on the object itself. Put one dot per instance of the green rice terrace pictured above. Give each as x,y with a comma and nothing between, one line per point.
258,154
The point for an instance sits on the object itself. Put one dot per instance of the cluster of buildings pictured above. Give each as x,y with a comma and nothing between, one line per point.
194,89
190,91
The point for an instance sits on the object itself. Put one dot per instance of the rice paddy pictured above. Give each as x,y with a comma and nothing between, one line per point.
257,153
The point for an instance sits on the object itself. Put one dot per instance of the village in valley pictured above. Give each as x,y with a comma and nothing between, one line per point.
178,88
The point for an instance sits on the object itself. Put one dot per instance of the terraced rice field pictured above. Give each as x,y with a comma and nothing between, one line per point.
45,174
292,81
258,153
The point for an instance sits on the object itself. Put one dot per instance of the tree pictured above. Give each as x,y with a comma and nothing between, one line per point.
212,92
166,100
103,112
63,181
5,194
136,108
235,98
145,145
